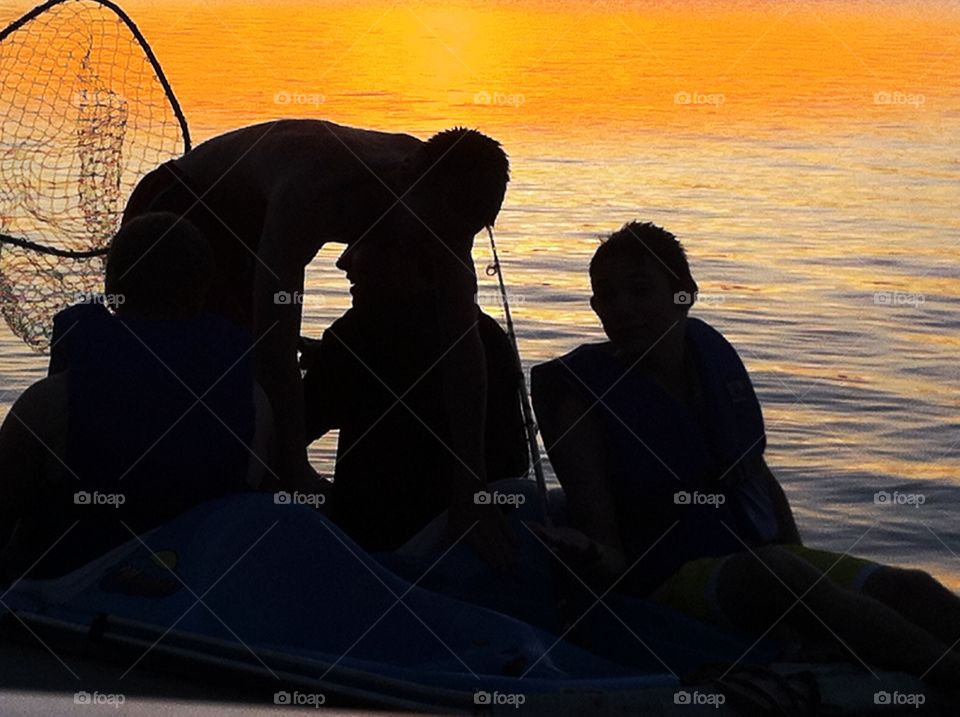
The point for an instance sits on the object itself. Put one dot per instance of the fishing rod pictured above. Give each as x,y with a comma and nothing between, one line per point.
529,424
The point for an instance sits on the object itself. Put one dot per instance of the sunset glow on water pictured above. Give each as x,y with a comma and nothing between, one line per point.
805,153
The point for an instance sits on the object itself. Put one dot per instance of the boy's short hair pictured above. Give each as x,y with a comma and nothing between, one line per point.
161,264
470,169
638,241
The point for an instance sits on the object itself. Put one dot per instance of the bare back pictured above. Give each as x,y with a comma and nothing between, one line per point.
350,174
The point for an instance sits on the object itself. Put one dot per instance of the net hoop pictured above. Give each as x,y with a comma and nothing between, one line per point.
161,76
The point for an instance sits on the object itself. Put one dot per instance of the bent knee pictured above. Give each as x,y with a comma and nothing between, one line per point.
789,572
891,580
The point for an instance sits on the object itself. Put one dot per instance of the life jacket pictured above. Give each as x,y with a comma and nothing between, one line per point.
159,412
663,465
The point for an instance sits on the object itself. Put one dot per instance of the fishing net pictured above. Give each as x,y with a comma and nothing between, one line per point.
85,112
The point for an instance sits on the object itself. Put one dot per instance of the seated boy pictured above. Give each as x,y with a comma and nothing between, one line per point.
145,413
657,438
376,376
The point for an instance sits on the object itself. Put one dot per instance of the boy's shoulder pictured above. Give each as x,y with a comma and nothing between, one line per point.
44,394
42,407
709,341
595,349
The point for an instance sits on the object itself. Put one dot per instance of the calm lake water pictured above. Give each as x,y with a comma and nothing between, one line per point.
804,154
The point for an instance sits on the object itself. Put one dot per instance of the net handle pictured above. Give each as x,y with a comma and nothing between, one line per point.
141,40
52,251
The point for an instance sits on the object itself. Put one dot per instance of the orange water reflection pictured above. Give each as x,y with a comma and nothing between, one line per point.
530,71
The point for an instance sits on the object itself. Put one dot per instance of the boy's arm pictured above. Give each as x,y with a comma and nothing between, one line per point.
506,438
23,457
788,532
577,456
291,238
464,376
261,449
327,383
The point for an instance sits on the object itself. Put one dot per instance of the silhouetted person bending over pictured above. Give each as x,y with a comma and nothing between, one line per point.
269,196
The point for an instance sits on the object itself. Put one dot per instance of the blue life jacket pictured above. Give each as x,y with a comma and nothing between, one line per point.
136,427
663,465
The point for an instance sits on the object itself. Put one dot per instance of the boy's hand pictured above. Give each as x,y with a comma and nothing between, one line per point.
309,350
569,544
598,564
487,531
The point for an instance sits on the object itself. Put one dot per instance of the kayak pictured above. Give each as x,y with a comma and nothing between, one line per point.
272,604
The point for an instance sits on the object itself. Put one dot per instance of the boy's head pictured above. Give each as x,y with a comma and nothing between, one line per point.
642,284
450,188
383,269
161,265
464,173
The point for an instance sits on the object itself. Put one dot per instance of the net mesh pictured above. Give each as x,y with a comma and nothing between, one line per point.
85,113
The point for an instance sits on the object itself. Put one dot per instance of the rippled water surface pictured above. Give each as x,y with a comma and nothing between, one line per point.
804,153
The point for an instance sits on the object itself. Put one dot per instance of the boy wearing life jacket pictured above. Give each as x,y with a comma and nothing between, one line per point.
375,376
657,438
146,412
